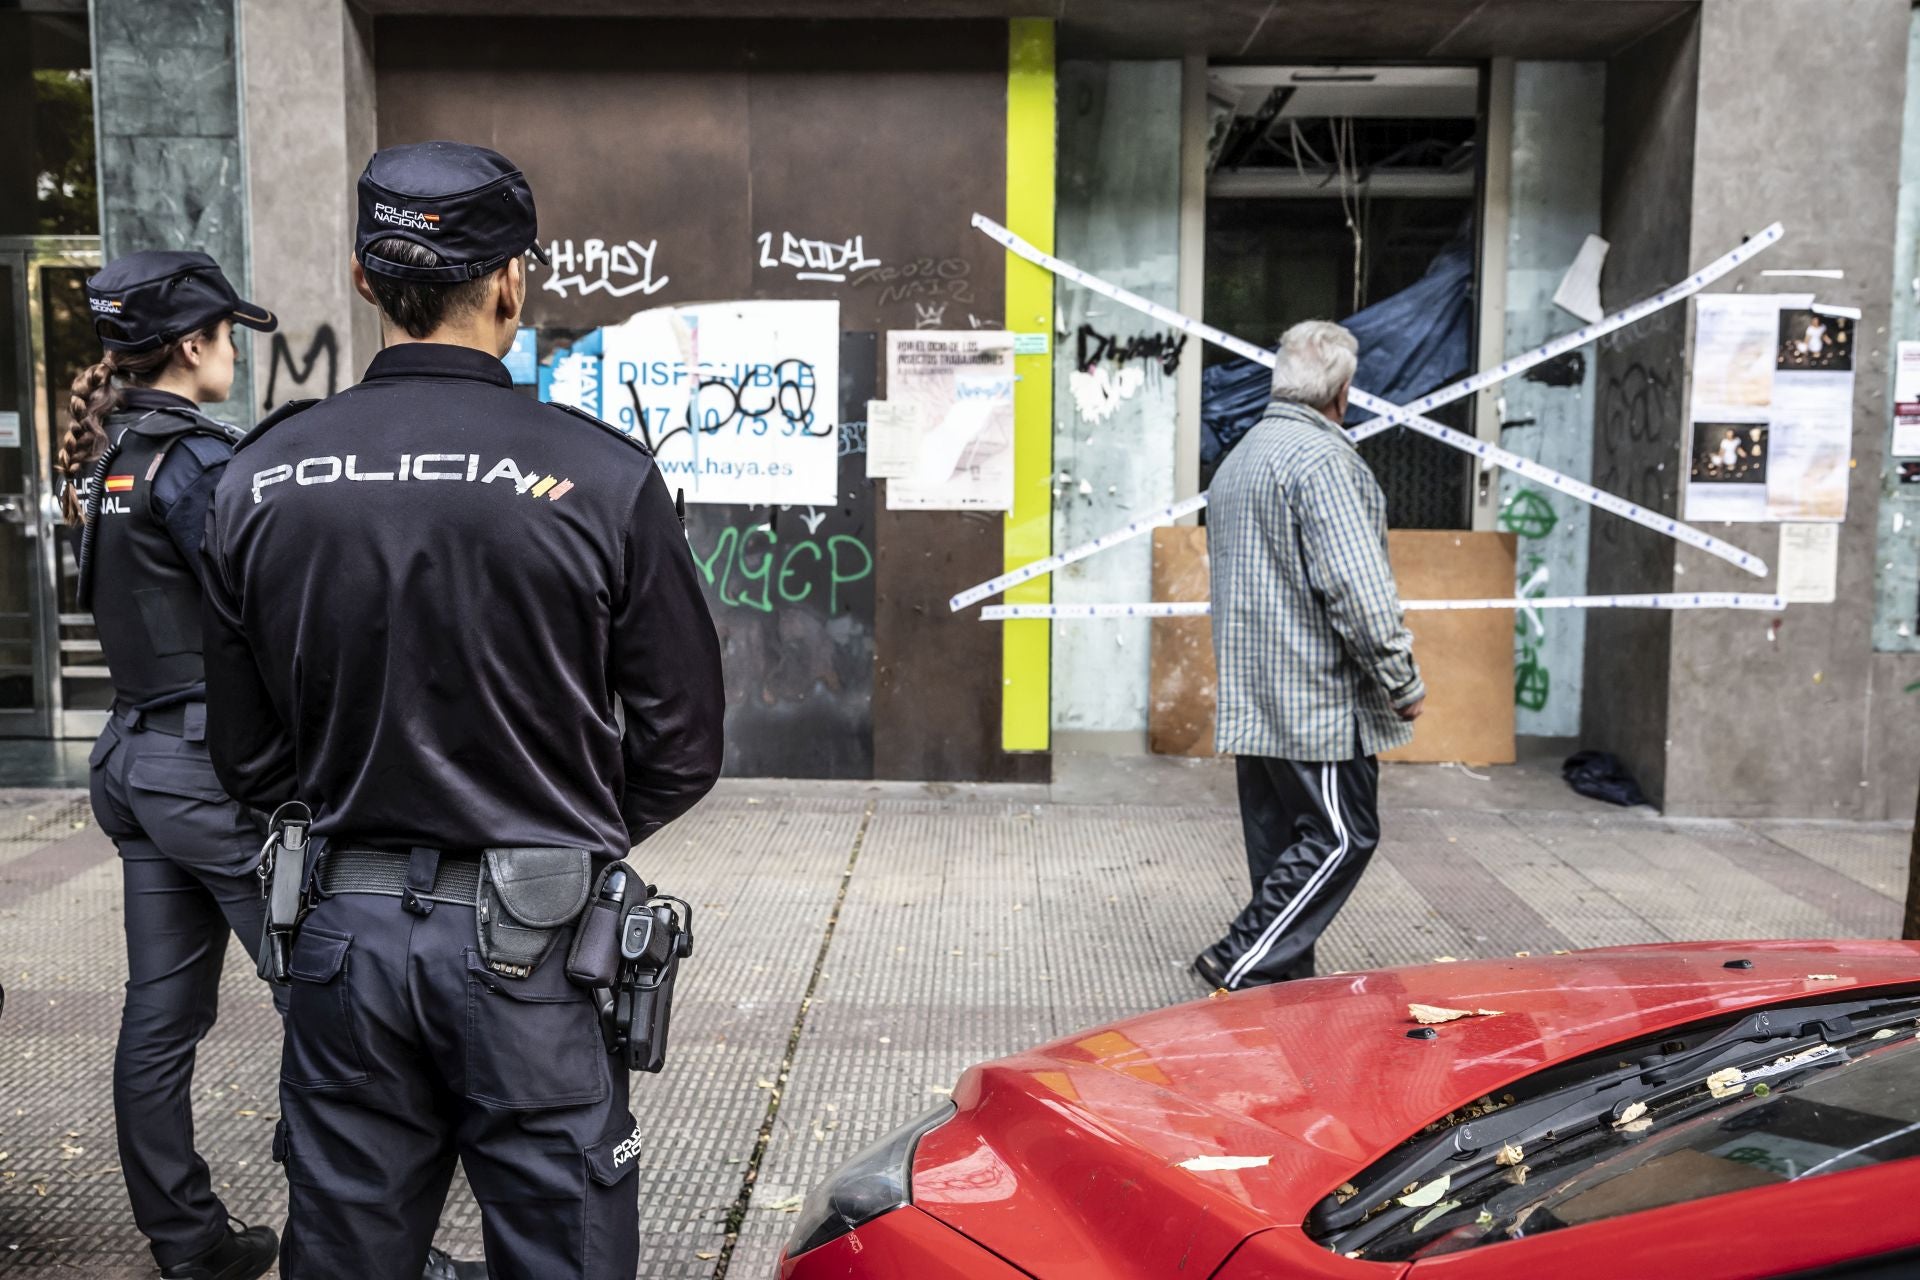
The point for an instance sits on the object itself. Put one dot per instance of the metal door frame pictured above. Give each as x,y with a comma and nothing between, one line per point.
50,717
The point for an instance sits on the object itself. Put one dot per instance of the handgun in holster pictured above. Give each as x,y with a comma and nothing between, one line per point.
627,951
654,938
283,883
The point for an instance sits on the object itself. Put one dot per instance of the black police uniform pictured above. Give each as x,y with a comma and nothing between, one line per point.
450,618
187,850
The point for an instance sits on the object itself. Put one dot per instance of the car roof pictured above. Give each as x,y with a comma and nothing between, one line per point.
1242,1111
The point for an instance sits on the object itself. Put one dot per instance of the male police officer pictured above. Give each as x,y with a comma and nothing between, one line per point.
463,627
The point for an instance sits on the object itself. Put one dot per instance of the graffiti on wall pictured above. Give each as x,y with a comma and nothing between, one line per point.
752,567
829,260
616,268
313,375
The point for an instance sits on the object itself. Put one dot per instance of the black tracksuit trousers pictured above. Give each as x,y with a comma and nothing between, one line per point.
1311,826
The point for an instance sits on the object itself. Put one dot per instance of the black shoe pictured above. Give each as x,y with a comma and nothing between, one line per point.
441,1266
244,1253
1208,970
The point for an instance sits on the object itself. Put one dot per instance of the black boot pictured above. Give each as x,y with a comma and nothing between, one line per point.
440,1266
244,1253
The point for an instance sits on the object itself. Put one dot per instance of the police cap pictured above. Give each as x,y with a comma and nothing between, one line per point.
468,204
148,299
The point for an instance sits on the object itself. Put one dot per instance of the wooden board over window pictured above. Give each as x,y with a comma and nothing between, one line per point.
1465,656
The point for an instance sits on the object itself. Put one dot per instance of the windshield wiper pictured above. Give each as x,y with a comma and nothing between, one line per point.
1471,1147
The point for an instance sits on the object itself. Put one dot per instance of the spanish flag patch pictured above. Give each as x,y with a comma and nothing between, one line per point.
119,484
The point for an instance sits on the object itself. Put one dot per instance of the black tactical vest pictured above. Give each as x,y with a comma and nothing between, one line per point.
144,595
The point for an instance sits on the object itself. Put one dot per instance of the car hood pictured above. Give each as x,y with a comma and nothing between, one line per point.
1153,1146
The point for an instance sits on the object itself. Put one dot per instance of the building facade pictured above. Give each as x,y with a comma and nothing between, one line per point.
1433,169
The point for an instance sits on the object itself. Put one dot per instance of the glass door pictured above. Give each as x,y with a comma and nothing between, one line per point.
53,680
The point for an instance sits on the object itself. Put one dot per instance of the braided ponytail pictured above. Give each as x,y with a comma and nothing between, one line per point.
95,398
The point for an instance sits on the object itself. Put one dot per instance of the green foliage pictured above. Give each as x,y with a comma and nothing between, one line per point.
66,188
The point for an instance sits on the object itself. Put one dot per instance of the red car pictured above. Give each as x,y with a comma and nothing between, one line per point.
1703,1110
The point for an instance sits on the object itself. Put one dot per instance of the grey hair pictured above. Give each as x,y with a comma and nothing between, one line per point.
1316,358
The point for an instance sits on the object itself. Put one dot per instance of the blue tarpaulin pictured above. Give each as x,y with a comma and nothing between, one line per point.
1410,344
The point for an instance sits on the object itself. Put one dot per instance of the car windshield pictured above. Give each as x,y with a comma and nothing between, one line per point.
1838,1104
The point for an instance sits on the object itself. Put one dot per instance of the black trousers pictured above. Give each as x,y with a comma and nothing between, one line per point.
1311,827
188,854
404,1053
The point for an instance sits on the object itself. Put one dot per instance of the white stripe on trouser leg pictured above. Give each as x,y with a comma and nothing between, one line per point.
1330,794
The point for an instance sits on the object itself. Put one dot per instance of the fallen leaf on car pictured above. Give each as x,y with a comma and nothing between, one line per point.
1724,1084
1884,1033
1484,1220
1823,977
1487,1013
1510,1155
1345,1192
1220,1164
1445,1206
1633,1112
1641,1125
1422,1196
1429,1014
1219,993
1518,1175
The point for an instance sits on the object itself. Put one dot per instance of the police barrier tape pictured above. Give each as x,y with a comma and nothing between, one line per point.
1391,415
1201,608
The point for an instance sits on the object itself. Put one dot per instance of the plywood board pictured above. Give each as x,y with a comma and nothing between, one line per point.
1181,683
1466,657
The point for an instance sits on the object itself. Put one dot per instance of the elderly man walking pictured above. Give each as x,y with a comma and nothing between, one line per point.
1316,664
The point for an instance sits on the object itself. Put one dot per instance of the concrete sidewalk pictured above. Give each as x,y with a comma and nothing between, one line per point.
860,945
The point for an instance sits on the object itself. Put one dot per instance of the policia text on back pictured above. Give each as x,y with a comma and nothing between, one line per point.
456,643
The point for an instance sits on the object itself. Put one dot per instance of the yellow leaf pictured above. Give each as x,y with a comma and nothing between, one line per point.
1423,1196
1427,1014
1510,1155
1633,1112
1724,1084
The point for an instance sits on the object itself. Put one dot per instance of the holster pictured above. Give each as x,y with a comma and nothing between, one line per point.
283,883
527,896
656,936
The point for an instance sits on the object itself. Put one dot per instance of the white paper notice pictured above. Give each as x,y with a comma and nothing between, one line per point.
760,381
1906,401
9,430
958,384
1809,563
893,440
1733,351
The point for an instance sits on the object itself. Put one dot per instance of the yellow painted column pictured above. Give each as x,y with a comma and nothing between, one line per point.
1026,654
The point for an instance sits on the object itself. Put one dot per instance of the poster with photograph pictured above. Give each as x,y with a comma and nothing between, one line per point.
1906,400
738,400
1727,477
1772,409
953,389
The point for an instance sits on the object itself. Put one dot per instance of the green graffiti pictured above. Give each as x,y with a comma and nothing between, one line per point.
754,582
1529,514
1532,685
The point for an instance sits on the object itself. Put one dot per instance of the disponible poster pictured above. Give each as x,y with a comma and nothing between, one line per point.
1772,409
953,391
738,400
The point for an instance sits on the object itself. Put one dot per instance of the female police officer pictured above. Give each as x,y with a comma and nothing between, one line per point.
141,461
